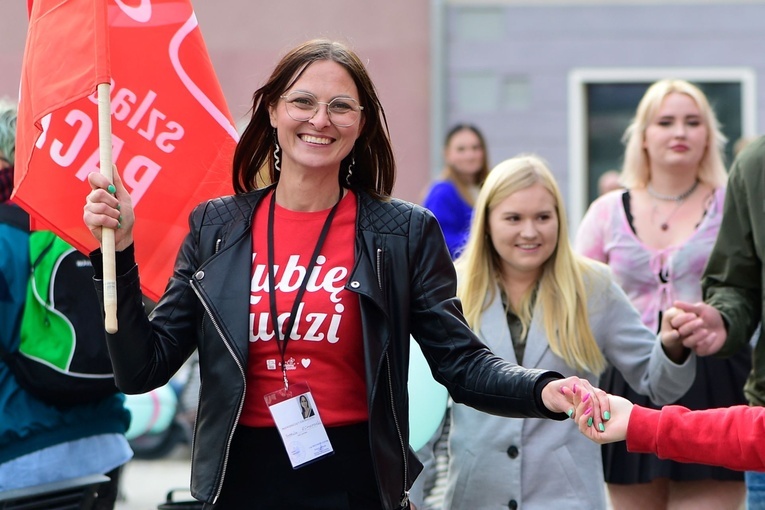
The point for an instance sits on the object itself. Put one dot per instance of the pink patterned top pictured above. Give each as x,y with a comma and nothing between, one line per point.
605,235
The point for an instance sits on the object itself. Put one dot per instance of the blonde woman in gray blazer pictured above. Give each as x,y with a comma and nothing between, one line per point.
533,301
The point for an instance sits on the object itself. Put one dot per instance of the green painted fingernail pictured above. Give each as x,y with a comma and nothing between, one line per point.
119,225
119,207
606,415
601,427
111,189
589,421
570,412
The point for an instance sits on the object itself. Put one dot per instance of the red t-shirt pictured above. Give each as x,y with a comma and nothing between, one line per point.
326,348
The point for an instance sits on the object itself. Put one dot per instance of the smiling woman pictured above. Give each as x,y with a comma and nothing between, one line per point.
534,302
316,123
326,314
524,228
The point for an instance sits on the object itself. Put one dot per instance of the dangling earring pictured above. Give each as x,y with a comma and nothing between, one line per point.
277,161
350,171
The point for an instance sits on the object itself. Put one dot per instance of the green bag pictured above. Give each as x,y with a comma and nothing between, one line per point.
62,358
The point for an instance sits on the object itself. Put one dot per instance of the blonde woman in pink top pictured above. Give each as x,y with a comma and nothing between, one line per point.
657,235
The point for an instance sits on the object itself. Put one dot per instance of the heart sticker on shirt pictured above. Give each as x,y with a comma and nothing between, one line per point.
305,362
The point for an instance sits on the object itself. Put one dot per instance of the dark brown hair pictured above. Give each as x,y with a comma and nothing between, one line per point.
480,176
449,173
375,168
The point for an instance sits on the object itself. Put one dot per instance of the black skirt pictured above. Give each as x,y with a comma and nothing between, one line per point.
719,383
259,474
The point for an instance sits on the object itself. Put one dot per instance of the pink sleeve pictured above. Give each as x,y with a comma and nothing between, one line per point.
732,437
590,240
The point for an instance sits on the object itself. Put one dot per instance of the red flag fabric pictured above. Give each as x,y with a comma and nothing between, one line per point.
173,136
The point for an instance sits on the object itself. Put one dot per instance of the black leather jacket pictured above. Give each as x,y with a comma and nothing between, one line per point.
406,285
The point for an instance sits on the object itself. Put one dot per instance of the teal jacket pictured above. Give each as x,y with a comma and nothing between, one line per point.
733,279
26,423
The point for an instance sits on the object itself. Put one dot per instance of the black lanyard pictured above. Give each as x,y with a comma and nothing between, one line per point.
282,342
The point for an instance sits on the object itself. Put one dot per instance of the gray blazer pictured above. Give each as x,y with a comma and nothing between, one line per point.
544,464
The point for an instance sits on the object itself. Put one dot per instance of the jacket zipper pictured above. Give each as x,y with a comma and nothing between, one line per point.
244,380
379,268
405,494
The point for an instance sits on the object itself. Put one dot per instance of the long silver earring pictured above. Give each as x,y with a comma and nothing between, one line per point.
350,171
277,161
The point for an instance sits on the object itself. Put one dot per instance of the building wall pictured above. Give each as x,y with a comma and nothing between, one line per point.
501,64
245,39
516,57
13,32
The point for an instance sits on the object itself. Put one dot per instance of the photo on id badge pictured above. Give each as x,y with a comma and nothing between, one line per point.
299,423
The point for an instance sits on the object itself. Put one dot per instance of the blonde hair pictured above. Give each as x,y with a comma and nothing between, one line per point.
636,171
561,294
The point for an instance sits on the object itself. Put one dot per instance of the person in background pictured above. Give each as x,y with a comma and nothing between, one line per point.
732,437
536,303
8,114
609,181
452,197
656,236
734,295
378,271
40,442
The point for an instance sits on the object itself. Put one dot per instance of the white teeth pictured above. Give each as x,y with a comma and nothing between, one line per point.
527,246
315,139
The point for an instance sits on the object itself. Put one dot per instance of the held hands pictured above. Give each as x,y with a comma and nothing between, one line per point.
670,337
109,206
558,396
621,408
697,326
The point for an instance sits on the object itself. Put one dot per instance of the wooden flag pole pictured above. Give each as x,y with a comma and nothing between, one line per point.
107,234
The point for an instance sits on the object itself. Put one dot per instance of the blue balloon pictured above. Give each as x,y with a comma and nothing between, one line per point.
427,399
151,412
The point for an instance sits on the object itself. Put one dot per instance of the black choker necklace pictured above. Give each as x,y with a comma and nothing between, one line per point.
672,198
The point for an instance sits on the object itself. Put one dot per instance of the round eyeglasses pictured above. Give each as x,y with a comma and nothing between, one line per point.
303,106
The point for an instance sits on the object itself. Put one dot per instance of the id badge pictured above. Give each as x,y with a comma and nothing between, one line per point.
297,419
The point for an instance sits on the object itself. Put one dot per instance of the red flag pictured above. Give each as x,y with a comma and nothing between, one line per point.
173,136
